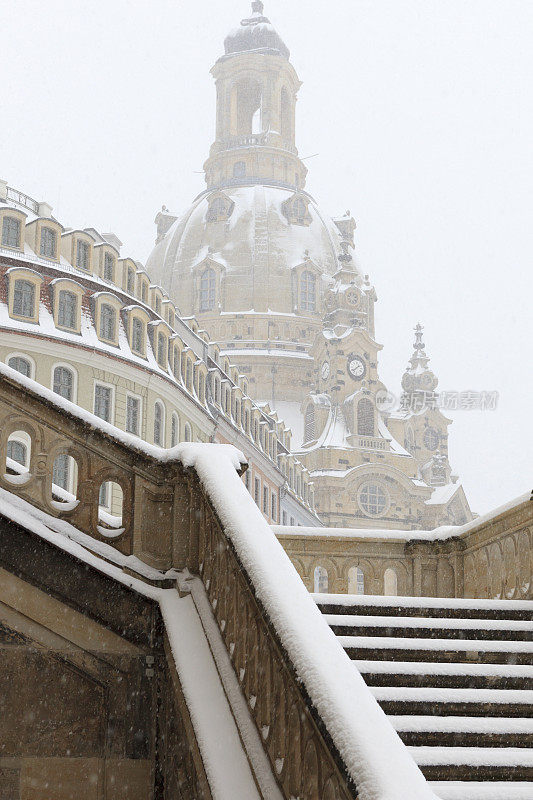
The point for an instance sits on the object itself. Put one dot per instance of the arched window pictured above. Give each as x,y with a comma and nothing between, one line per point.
239,169
159,424
24,299
67,311
174,430
356,581
130,283
107,322
299,210
320,580
187,433
17,451
61,471
207,289
218,210
390,582
109,267
285,115
48,242
82,254
309,423
308,291
21,364
188,375
10,232
201,387
64,382
365,417
137,335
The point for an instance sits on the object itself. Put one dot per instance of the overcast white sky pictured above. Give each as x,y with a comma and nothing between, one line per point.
421,112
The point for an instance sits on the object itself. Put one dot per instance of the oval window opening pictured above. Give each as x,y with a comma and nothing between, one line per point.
110,502
64,482
18,457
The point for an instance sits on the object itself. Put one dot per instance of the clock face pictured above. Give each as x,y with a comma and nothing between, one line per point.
325,370
356,367
351,297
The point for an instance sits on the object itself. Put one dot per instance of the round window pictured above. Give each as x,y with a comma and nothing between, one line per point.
431,439
373,499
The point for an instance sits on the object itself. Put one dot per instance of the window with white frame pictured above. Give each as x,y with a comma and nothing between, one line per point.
63,383
159,422
48,242
21,364
103,402
174,430
137,335
207,289
11,232
109,267
82,254
67,310
24,299
133,414
107,322
308,291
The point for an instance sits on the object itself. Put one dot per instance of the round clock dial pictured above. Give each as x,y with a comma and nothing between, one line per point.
351,297
325,370
356,367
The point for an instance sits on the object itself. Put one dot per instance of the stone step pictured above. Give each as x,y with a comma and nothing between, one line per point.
454,702
402,648
464,731
424,607
474,763
431,628
475,790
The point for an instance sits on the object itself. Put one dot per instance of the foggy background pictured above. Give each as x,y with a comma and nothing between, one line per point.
421,113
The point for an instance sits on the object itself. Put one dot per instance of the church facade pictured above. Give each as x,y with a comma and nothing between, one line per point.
277,284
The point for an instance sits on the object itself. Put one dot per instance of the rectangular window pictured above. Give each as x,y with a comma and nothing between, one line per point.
273,507
67,312
162,356
82,254
48,242
257,491
265,500
133,414
109,267
24,299
247,479
284,517
292,521
11,232
137,335
103,398
130,284
107,322
143,291
158,305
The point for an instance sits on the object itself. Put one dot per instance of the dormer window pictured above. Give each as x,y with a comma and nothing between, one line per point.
107,322
82,254
158,305
308,291
220,208
109,267
11,232
67,311
24,299
296,210
130,281
162,354
144,291
137,335
48,243
207,289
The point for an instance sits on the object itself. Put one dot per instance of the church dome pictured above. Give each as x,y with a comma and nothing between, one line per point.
255,33
255,243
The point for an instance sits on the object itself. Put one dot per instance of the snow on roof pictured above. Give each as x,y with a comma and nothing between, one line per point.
443,494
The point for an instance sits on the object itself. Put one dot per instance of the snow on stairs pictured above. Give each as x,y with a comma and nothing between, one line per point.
455,678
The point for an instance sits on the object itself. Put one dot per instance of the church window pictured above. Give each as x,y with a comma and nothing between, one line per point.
365,418
158,305
82,254
109,267
320,579
309,423
144,291
219,209
159,415
133,414
137,335
431,439
299,210
63,383
207,289
308,291
107,322
48,243
10,232
239,169
21,365
174,430
67,311
188,375
257,491
24,299
103,398
373,499
201,387
187,436
130,281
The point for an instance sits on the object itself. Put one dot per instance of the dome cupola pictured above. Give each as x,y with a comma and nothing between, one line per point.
255,33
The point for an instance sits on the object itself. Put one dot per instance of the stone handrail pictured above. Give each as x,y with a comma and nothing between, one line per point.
321,729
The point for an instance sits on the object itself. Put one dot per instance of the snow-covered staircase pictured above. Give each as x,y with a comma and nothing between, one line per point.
455,678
